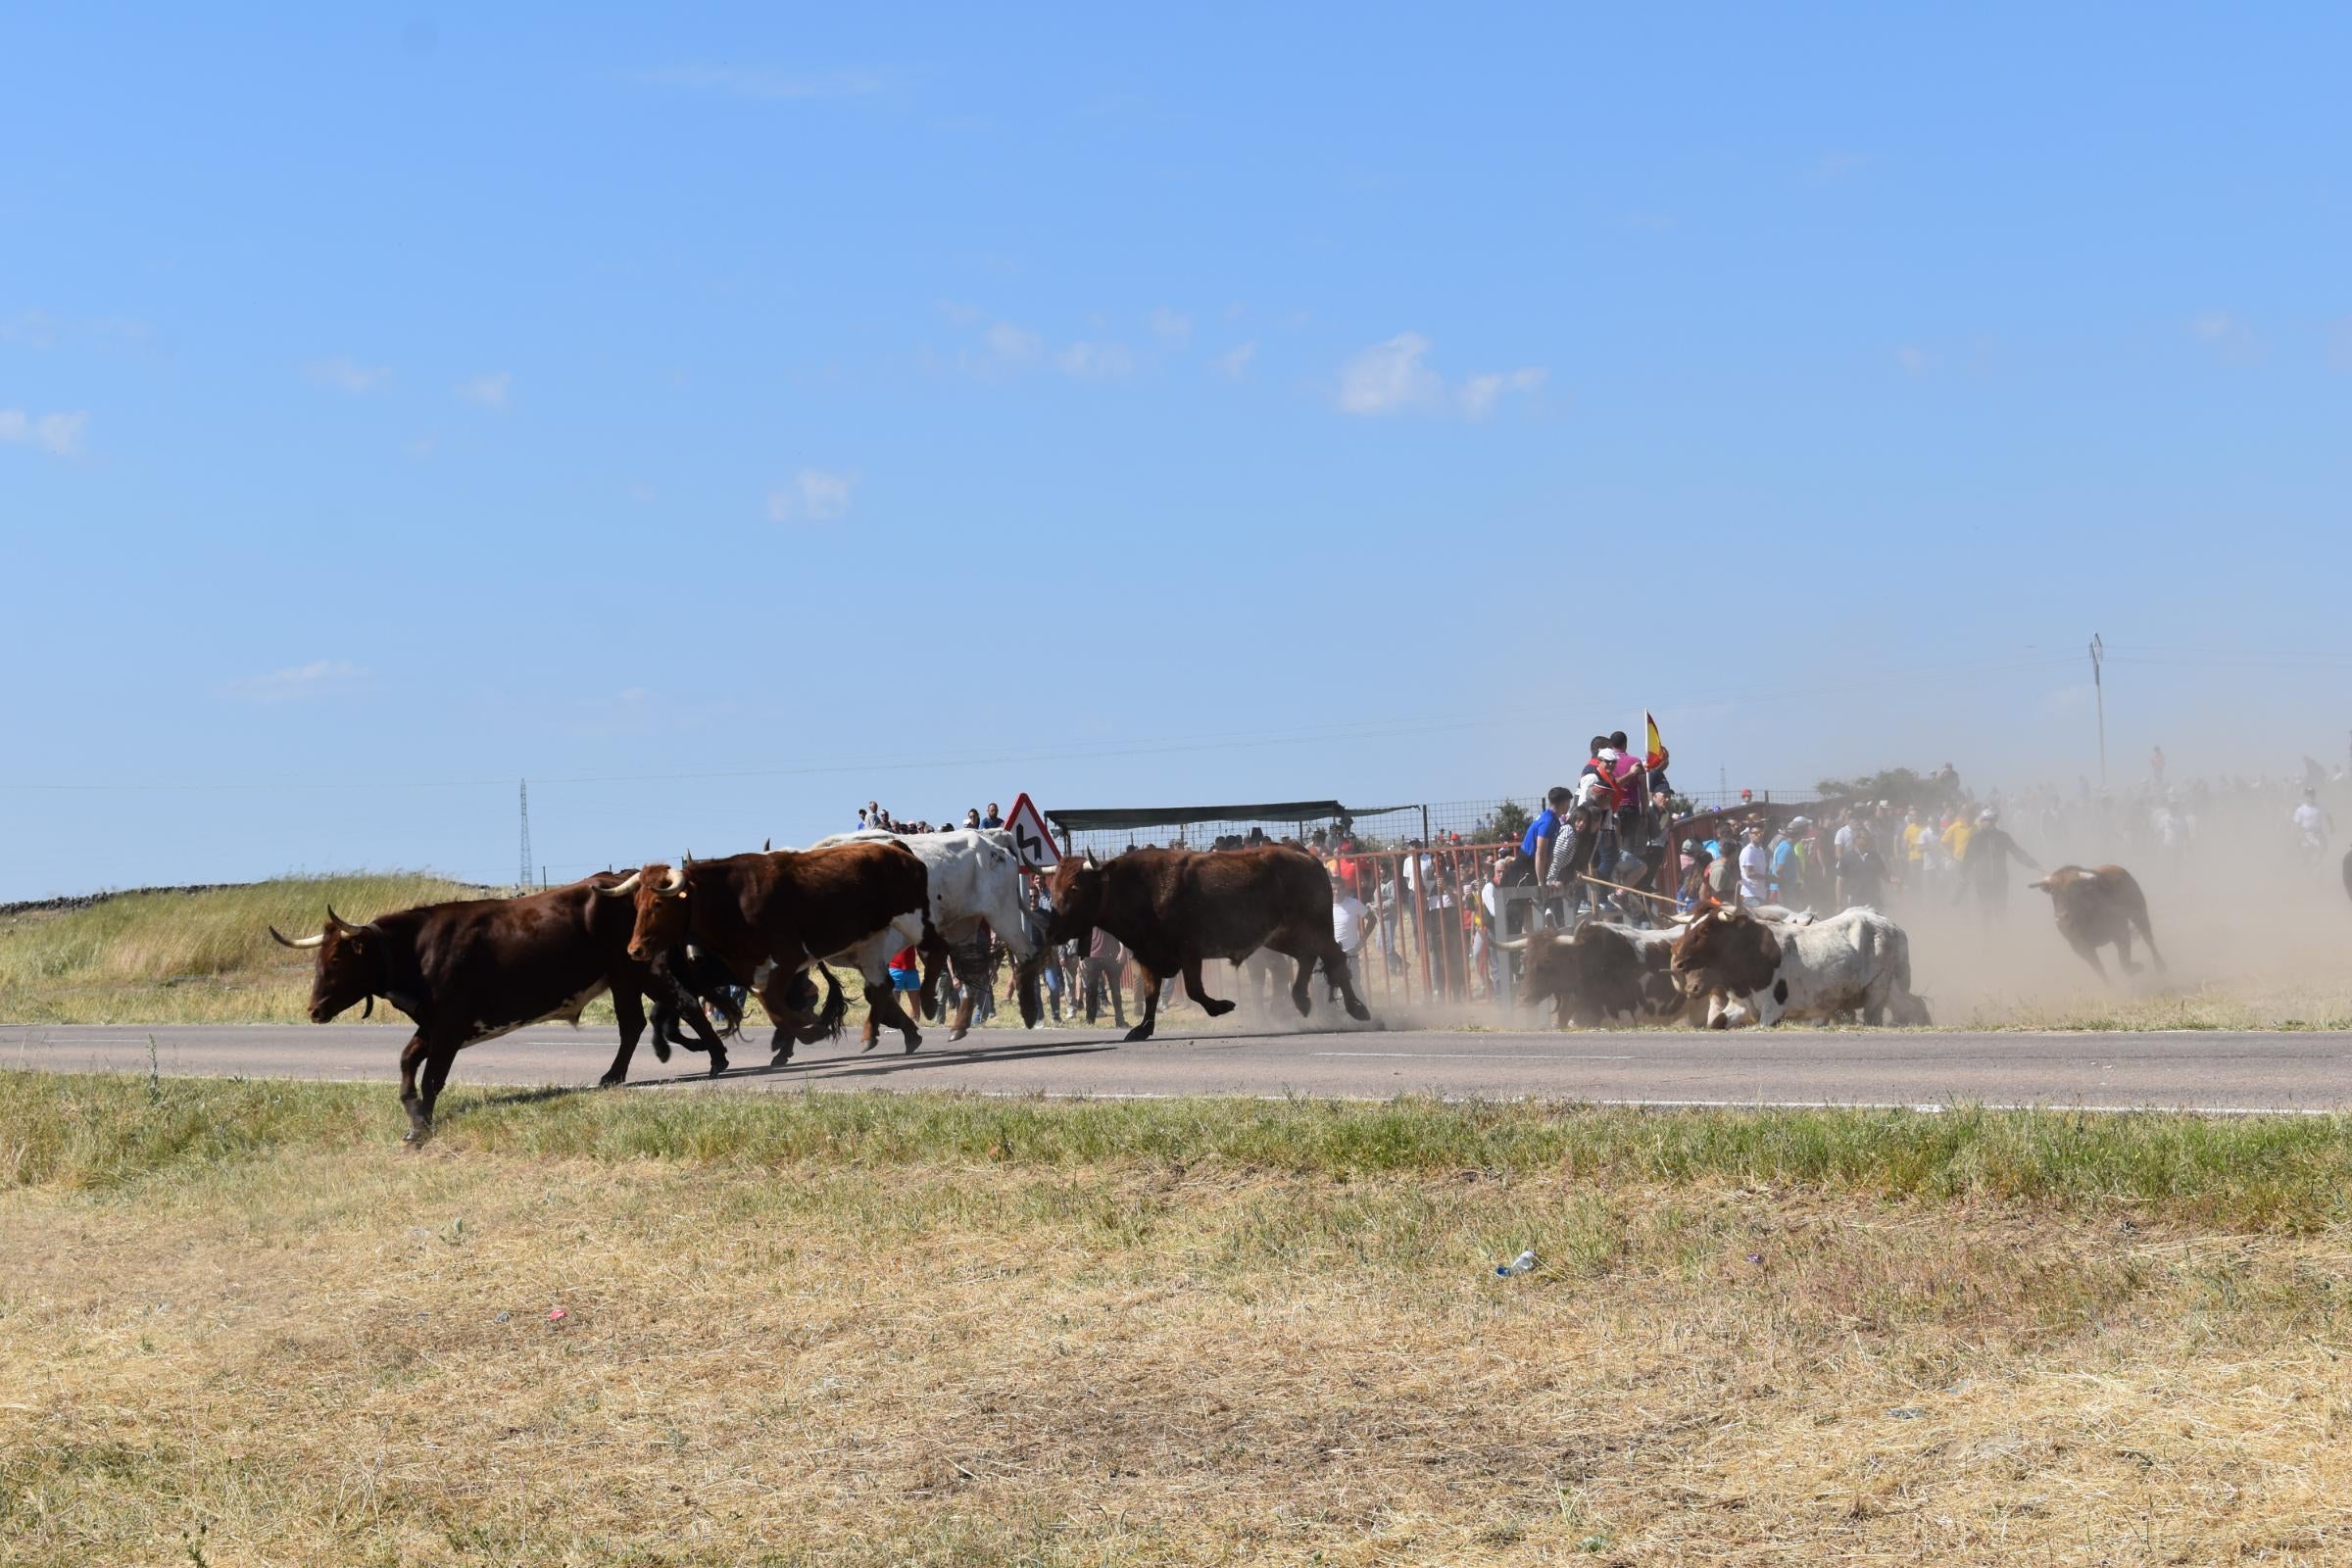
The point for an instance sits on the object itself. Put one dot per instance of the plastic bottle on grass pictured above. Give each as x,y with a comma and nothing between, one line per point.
1518,1266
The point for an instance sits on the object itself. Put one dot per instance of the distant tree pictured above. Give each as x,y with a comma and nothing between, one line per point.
1899,785
1508,824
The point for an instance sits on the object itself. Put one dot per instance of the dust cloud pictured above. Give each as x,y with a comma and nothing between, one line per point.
2251,916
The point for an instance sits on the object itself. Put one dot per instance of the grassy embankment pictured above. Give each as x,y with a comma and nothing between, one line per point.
187,958
238,1324
207,957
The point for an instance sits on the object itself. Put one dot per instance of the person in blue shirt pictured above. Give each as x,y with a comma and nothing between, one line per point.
1784,862
1537,842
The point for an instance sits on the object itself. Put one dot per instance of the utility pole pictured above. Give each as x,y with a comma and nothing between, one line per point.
524,876
2098,656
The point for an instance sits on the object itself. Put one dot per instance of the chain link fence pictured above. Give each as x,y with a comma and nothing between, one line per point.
1486,820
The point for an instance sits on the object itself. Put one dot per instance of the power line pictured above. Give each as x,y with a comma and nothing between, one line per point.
1358,729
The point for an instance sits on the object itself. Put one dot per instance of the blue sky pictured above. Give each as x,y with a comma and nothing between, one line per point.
725,416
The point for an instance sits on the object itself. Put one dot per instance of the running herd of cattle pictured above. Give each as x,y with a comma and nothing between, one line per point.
686,937
1729,965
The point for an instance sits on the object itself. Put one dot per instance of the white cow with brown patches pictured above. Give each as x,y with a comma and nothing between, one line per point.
1854,963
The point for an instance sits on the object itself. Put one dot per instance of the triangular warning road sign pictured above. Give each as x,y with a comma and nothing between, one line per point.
1032,840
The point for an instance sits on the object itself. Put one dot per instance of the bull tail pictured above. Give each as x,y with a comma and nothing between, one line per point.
2138,916
834,1016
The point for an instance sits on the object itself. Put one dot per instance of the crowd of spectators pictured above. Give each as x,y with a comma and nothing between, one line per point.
874,815
1611,846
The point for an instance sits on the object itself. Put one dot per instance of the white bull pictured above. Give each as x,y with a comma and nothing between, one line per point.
975,879
1755,970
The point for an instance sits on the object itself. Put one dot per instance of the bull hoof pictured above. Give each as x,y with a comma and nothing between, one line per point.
783,1054
1136,1035
1359,1013
718,1063
1217,1008
611,1080
416,1136
957,1033
913,1043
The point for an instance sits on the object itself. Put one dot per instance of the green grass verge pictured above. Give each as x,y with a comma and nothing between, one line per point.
2265,1174
203,956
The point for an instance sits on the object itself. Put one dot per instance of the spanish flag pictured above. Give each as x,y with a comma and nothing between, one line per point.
1656,758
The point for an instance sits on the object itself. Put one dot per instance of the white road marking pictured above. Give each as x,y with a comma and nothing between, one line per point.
1471,1055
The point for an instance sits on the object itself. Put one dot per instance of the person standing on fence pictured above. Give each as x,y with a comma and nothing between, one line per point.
1571,855
1535,844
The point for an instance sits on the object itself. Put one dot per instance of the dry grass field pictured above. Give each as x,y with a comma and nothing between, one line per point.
239,1325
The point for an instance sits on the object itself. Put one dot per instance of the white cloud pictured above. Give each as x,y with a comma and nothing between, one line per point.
813,496
314,679
36,330
1234,362
1094,361
1173,325
57,434
489,389
2229,336
1014,345
1480,393
40,329
767,84
345,374
1391,377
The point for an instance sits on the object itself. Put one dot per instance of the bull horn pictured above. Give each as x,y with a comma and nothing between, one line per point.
767,845
288,942
626,885
1516,947
675,882
1682,919
339,923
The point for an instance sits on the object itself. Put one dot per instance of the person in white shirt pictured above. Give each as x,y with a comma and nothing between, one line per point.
1756,869
2313,824
1348,920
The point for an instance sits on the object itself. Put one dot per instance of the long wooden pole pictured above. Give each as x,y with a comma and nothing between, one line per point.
1638,893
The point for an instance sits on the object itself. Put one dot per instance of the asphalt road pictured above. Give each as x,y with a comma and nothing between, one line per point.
2194,1070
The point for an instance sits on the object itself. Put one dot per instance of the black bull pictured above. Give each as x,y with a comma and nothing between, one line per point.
468,971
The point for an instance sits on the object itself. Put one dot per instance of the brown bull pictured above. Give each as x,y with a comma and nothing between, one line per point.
768,916
1175,909
471,970
1599,971
2097,907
